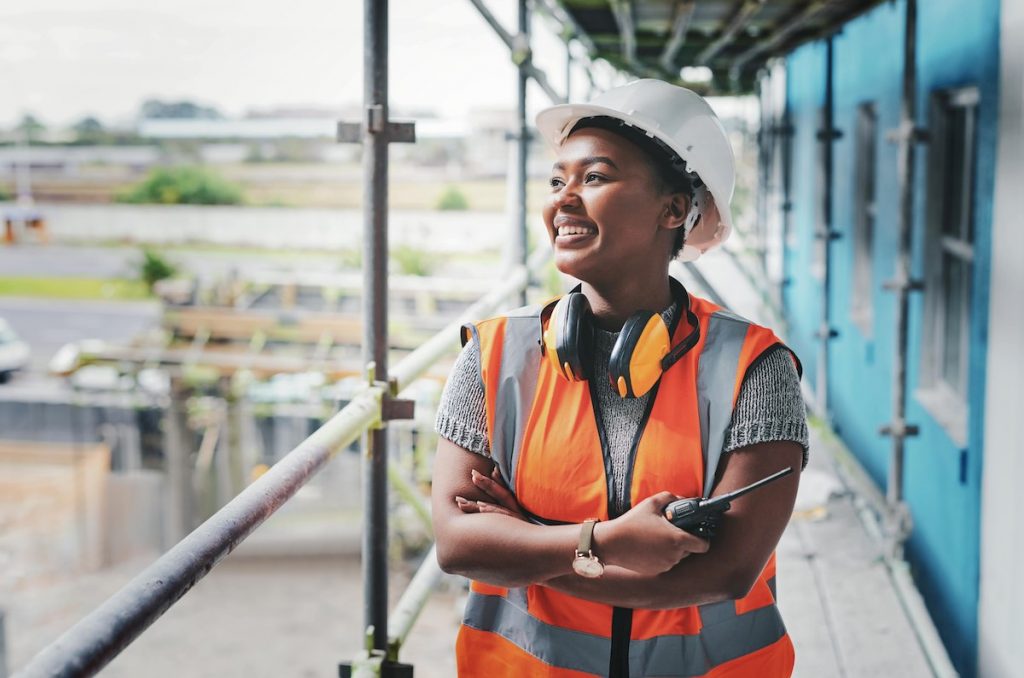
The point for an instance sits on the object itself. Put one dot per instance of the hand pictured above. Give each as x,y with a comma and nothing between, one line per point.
643,540
494,487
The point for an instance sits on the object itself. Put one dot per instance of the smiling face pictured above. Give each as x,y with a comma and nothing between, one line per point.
606,212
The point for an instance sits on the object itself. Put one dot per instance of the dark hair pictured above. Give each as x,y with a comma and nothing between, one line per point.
668,168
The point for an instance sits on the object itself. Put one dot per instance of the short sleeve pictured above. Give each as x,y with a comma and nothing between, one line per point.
462,412
770,406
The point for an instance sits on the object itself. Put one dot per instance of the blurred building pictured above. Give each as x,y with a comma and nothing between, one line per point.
832,214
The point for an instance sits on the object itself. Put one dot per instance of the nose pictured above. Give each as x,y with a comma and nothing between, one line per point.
567,197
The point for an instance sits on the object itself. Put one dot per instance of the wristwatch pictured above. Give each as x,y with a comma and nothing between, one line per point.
586,563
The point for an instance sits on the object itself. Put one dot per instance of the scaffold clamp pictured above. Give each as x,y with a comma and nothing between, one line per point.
900,429
398,132
908,131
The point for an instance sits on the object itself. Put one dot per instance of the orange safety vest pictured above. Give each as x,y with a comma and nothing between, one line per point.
547,441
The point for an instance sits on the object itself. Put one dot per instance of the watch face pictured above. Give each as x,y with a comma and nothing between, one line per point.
589,567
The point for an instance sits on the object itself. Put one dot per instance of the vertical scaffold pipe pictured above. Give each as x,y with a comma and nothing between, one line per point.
902,279
522,142
826,138
375,311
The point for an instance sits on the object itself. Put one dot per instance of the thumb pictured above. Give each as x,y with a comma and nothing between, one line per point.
662,499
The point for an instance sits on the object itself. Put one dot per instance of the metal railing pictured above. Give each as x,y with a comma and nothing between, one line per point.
98,638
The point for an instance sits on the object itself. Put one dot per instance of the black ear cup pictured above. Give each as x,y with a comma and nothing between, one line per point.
636,361
641,353
568,340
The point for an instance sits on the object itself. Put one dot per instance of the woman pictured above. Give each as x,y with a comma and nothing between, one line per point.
566,430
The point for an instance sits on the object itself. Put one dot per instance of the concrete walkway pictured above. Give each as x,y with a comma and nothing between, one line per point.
835,591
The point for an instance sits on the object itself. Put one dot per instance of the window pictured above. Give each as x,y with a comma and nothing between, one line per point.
821,199
861,306
949,251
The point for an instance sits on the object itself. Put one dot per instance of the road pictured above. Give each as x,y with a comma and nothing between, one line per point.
47,325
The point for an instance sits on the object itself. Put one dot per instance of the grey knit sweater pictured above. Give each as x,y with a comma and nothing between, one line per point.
769,407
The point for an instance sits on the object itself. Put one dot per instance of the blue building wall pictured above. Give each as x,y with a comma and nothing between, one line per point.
861,363
802,293
957,46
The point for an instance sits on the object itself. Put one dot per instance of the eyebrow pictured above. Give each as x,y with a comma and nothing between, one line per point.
586,162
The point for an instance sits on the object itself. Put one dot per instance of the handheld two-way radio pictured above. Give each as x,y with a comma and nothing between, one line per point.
699,516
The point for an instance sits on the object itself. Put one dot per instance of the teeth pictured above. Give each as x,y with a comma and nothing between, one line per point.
575,230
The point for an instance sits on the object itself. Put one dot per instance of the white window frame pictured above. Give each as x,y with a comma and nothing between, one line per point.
952,164
862,312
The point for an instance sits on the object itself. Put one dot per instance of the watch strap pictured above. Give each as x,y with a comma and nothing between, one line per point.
586,536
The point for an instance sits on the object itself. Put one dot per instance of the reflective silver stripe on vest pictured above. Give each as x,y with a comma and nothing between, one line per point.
716,380
517,384
552,645
725,638
520,364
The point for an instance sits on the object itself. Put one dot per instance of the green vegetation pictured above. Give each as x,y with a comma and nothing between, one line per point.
154,268
551,280
351,258
411,261
186,185
5,194
452,199
73,288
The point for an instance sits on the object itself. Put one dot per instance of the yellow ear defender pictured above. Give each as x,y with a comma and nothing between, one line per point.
640,355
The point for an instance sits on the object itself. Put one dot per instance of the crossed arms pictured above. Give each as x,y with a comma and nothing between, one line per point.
649,563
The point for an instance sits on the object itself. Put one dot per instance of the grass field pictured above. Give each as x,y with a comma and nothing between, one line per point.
299,186
73,288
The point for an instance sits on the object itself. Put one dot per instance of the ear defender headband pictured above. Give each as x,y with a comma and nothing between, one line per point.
642,352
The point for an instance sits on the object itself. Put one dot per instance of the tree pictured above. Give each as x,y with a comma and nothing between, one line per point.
30,128
89,130
184,186
154,268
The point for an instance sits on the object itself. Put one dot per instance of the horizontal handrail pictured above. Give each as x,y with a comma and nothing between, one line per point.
95,640
412,602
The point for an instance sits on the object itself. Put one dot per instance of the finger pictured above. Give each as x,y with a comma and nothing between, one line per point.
699,546
496,475
494,489
486,507
662,499
466,506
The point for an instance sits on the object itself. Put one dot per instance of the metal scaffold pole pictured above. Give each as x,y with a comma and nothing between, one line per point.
376,131
522,139
902,284
375,313
826,234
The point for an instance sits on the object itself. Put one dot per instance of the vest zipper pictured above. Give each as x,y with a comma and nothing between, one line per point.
622,617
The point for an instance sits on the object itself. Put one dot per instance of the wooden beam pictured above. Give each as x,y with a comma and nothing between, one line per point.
570,27
779,35
623,11
680,24
738,21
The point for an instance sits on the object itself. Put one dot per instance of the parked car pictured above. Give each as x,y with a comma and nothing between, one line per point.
14,352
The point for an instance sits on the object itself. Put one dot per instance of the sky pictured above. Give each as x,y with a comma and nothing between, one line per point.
64,59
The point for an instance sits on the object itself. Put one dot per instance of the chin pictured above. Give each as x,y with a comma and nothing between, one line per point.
575,266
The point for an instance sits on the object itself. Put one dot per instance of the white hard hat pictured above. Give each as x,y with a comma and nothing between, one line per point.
684,122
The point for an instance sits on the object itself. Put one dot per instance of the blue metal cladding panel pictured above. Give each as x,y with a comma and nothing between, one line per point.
957,47
861,362
805,92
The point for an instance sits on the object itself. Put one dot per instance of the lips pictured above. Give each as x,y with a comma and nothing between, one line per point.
569,230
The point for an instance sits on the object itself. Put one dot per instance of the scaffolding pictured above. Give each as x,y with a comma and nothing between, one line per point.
732,41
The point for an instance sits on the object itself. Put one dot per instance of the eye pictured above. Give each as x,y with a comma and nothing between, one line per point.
592,175
555,182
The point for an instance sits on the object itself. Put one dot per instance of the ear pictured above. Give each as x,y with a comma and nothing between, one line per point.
677,206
